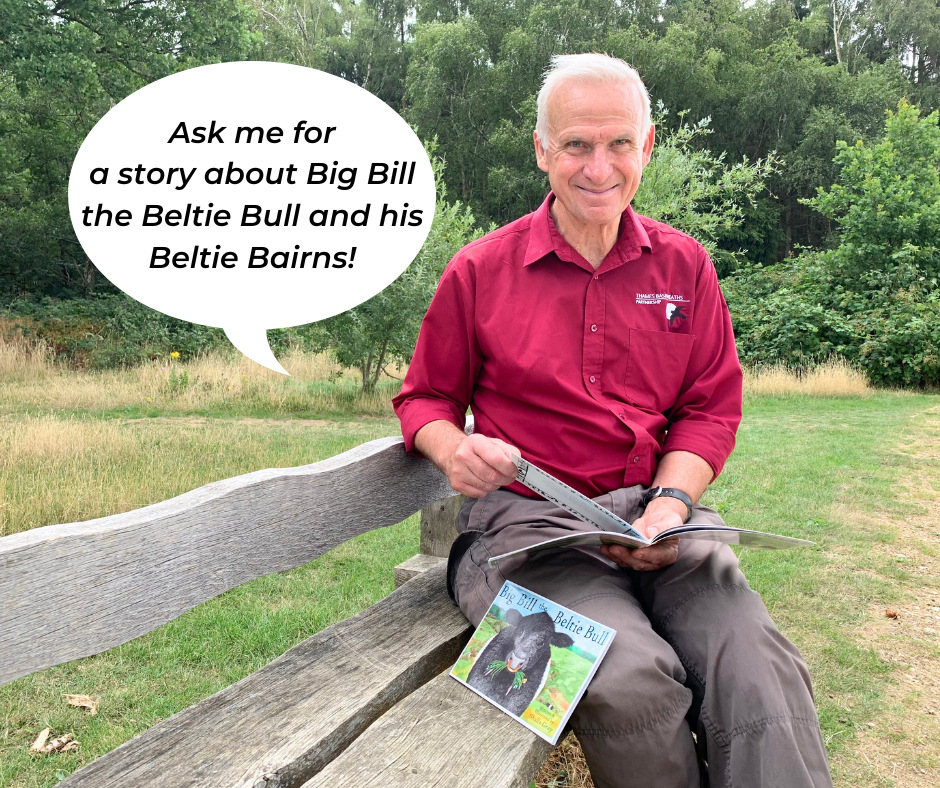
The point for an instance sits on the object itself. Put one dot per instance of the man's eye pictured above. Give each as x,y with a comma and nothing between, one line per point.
576,144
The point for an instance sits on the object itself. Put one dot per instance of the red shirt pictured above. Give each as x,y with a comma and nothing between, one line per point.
593,375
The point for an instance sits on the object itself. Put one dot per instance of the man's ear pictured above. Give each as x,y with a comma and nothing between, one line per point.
541,157
648,145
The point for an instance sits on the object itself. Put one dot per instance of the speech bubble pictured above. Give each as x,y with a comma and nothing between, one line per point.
251,196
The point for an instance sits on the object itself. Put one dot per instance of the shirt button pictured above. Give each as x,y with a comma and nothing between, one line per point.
595,277
636,459
591,378
594,328
621,415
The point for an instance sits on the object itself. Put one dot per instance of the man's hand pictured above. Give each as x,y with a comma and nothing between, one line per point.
480,465
474,464
662,513
685,471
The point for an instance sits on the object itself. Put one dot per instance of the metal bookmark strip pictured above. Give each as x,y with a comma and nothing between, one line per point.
571,500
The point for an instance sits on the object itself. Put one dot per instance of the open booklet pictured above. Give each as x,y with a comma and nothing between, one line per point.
614,530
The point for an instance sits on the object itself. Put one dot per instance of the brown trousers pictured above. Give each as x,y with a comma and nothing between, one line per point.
695,650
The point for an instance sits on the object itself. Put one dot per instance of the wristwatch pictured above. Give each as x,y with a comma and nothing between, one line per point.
669,492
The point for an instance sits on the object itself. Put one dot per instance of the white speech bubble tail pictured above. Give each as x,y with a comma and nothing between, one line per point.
253,342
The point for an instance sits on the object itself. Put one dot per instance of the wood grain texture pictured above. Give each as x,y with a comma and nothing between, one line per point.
438,525
414,566
69,591
285,722
443,734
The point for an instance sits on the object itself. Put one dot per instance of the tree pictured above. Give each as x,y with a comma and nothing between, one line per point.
766,73
300,32
887,203
384,329
875,297
62,67
695,191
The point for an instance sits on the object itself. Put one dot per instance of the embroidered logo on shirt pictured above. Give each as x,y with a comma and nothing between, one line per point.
674,312
658,298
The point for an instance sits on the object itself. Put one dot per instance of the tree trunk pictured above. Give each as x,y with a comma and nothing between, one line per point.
378,366
89,277
366,368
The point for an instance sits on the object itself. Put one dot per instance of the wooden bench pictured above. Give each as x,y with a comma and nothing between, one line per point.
365,702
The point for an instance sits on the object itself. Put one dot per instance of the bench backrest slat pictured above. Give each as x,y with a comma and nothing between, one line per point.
69,591
282,724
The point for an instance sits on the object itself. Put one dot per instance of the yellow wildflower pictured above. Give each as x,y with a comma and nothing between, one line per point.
174,354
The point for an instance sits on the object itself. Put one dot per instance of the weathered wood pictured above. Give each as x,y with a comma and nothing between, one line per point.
438,519
68,591
414,566
281,725
438,529
443,734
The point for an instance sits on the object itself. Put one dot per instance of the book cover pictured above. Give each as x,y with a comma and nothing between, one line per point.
533,659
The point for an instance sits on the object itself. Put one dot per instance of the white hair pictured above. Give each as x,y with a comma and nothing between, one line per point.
589,68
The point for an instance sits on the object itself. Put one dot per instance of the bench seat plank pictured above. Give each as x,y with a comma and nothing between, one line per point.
69,591
282,724
443,734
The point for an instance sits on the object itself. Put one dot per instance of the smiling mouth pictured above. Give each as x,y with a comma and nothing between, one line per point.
597,192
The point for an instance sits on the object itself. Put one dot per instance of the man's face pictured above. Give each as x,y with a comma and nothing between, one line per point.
595,155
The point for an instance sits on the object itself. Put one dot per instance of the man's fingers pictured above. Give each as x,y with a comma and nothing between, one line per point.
487,460
470,490
466,478
644,559
495,453
482,474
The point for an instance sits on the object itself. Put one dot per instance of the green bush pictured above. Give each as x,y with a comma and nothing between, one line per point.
873,299
109,330
384,329
788,314
696,191
899,332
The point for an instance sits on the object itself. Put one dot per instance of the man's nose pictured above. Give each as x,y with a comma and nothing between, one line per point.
599,166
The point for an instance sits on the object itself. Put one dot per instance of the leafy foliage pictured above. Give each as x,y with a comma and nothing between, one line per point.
888,202
62,66
109,330
766,73
384,329
693,190
875,297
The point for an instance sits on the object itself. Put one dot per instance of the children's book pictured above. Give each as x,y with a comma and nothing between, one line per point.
533,659
614,530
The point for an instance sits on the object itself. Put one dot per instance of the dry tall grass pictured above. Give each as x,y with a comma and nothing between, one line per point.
22,361
212,382
565,767
835,378
56,469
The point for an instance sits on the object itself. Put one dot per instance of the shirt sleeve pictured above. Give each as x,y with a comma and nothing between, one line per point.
440,378
707,412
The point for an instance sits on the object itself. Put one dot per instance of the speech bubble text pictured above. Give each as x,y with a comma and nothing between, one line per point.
252,196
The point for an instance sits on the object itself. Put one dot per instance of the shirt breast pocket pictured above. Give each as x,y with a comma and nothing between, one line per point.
656,366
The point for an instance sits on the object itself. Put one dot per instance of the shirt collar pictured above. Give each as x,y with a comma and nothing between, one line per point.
545,238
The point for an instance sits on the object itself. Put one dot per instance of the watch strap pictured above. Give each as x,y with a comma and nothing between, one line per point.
669,492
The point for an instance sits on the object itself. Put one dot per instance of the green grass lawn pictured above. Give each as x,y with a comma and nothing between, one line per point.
819,468
815,468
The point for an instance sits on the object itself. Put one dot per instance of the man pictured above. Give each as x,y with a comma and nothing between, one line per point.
597,344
